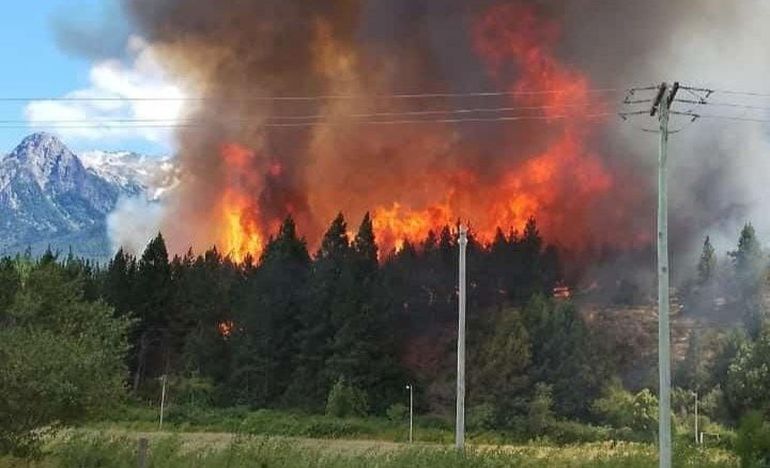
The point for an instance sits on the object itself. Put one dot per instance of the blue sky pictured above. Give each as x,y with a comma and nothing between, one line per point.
49,48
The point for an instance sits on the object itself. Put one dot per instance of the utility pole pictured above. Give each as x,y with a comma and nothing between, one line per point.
460,421
662,105
162,400
696,417
410,387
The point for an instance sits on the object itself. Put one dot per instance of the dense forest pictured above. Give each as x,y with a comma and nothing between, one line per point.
288,329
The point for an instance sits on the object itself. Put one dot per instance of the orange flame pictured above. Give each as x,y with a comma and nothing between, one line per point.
555,185
225,328
241,233
545,167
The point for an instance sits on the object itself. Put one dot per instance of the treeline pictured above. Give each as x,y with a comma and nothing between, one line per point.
729,346
343,330
281,331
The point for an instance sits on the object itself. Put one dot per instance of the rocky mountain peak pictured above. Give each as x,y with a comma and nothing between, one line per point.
47,159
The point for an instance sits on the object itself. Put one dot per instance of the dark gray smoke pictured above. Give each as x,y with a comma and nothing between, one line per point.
235,51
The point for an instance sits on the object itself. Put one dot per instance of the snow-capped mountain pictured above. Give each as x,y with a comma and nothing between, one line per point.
50,197
133,172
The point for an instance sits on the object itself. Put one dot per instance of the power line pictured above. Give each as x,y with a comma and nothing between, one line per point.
730,117
307,98
723,104
741,93
329,123
480,110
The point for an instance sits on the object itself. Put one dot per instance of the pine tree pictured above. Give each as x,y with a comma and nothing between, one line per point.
365,247
564,354
748,258
153,309
749,264
499,357
203,290
311,382
707,264
118,284
362,349
10,282
528,278
335,243
269,319
692,373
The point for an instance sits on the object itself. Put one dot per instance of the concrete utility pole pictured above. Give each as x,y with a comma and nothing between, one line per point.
460,422
410,387
662,105
162,400
696,417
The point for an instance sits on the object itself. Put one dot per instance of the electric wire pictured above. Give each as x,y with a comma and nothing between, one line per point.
480,110
308,97
328,123
723,104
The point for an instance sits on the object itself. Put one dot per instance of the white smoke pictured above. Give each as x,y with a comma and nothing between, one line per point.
133,223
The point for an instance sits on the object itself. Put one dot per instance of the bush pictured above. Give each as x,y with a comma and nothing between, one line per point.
61,358
571,432
539,414
193,391
434,421
345,401
753,443
619,408
481,417
615,407
397,412
645,412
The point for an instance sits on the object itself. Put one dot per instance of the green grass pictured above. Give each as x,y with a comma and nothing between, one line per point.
293,424
87,450
271,422
235,437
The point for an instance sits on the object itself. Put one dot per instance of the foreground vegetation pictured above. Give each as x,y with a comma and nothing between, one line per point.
87,450
243,349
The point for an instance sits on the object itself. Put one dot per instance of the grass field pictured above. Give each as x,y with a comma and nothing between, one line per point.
236,437
292,424
117,448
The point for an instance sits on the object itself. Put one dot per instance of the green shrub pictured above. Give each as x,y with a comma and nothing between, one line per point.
571,432
481,417
61,358
753,442
539,413
615,407
434,421
645,411
620,408
192,391
346,400
397,412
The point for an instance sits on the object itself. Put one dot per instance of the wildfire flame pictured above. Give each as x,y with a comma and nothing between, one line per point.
241,227
505,34
545,168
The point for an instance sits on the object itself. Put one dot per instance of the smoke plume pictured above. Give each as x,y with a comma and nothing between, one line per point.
585,176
